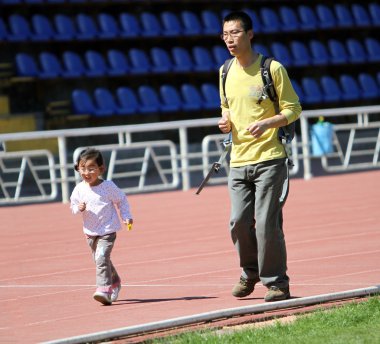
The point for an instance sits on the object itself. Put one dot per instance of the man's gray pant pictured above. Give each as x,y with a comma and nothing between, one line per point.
106,275
258,194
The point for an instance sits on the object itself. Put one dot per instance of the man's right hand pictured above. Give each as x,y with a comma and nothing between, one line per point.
224,123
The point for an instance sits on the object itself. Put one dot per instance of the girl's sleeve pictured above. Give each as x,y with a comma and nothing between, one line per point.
74,201
119,198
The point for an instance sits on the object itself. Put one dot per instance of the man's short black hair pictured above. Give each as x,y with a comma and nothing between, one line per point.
243,17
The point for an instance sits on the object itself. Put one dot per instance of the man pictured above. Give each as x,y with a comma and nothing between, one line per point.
258,179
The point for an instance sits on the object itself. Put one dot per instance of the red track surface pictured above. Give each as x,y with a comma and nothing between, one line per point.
178,260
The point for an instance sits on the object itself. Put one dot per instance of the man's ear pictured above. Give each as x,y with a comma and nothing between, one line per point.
250,34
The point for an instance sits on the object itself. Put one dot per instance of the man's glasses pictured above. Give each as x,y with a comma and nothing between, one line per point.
234,33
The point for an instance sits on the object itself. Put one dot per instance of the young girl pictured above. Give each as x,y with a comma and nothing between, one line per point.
96,199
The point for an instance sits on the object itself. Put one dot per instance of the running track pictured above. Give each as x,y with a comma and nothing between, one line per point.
178,260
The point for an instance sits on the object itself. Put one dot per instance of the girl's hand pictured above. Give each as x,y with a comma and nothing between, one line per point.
129,223
82,206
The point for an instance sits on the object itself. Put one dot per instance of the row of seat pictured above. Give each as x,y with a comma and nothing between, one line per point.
179,59
145,100
106,26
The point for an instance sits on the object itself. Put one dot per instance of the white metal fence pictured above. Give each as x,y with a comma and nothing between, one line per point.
163,165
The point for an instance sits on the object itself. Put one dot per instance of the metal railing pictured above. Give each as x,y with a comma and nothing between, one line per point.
163,165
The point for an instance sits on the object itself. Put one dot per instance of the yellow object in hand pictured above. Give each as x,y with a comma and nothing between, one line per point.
129,225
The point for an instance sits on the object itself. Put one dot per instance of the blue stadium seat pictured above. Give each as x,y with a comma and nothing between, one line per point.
211,97
281,53
301,56
127,101
331,89
105,102
96,65
270,20
161,62
86,27
289,19
374,10
319,53
50,66
34,1
117,62
149,100
343,15
373,49
42,28
350,88
171,100
191,23
129,25
192,99
151,26
82,102
298,89
19,28
220,54
64,27
262,49
171,25
211,22
308,18
108,26
368,85
326,17
202,59
3,30
73,65
312,91
257,24
338,51
356,51
139,61
182,61
361,16
26,65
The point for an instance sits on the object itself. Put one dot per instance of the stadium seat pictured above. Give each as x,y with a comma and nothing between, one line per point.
73,64
127,101
82,102
361,16
374,10
86,27
151,26
139,61
343,15
105,102
117,62
298,89
281,53
191,23
129,25
350,88
368,85
356,51
3,30
50,66
42,28
289,19
270,20
373,49
338,52
301,56
312,91
96,65
149,100
19,28
262,49
326,17
64,27
108,26
26,65
171,100
211,22
331,89
182,61
202,59
308,19
211,97
256,21
192,99
319,53
220,54
171,25
161,62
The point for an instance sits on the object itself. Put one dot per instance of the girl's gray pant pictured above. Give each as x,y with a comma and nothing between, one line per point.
106,275
258,194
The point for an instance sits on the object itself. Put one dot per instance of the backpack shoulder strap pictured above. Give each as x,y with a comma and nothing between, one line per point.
269,88
226,68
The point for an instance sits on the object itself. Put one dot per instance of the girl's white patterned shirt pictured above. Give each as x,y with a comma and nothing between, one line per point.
100,216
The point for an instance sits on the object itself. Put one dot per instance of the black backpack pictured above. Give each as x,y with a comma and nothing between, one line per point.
286,133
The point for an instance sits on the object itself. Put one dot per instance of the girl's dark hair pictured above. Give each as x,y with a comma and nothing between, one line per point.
243,17
89,154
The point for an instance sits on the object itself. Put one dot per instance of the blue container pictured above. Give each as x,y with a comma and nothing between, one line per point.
322,138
